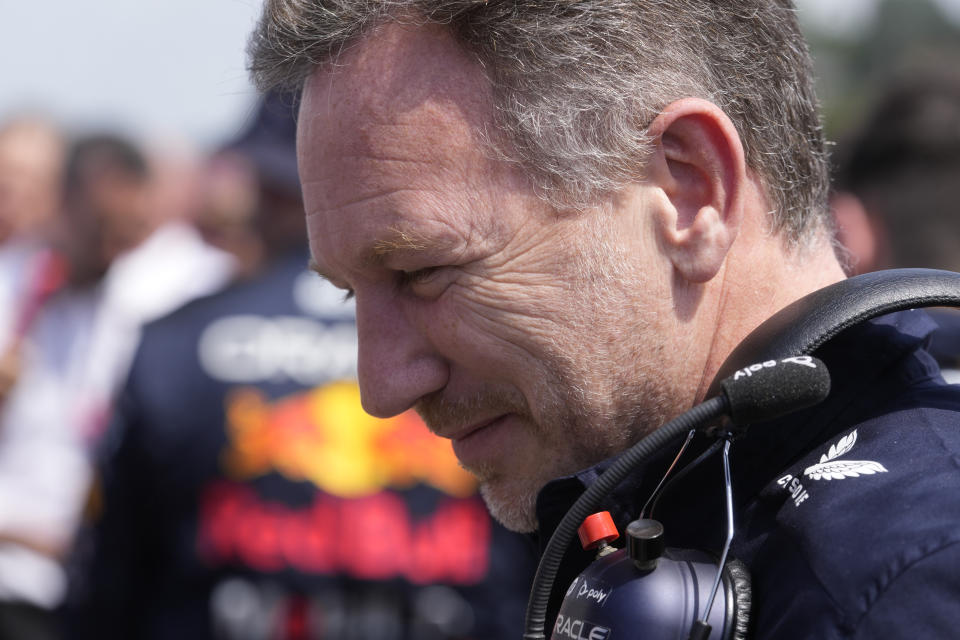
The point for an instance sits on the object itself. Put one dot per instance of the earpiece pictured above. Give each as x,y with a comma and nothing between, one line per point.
653,591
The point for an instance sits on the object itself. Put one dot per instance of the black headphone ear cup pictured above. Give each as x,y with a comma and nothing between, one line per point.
737,581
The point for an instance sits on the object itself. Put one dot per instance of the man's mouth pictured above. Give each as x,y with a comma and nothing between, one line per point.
481,443
468,430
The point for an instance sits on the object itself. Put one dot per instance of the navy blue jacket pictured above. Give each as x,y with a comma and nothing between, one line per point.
847,514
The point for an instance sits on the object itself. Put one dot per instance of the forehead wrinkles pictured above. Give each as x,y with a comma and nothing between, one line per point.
399,99
394,128
404,66
397,71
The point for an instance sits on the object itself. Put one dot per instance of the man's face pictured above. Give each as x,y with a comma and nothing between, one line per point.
533,339
104,216
30,158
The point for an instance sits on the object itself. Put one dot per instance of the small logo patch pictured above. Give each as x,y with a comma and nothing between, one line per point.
829,468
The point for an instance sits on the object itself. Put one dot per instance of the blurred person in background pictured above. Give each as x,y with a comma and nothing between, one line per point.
897,190
230,196
177,178
125,266
247,496
31,160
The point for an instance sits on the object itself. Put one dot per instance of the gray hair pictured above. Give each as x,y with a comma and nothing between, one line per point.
577,82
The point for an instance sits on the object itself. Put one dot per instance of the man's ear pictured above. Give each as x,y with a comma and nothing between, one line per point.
698,164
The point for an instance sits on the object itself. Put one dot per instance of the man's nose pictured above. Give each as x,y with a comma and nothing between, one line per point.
396,365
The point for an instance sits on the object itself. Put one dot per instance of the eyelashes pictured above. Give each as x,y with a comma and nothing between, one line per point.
417,282
419,276
428,283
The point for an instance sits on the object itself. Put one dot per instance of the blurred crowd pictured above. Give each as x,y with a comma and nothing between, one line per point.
182,451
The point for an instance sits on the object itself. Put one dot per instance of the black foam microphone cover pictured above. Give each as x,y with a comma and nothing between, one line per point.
767,390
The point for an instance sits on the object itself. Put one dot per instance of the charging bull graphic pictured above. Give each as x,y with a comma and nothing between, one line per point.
303,437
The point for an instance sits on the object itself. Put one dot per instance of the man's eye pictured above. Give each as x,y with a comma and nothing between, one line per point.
418,276
424,283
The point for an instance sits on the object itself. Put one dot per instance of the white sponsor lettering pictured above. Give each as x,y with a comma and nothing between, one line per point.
806,361
746,372
574,629
588,593
795,488
250,349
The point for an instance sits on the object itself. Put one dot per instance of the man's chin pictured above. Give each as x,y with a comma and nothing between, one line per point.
514,509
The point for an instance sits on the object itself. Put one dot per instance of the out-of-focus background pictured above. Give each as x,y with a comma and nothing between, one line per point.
158,69
174,69
858,45
182,450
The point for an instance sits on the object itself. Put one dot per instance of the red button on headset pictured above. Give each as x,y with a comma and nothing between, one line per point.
597,528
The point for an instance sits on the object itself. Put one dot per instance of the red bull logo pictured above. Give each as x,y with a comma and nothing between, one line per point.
358,522
370,538
323,436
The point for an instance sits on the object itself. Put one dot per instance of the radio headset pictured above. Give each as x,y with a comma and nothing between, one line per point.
659,593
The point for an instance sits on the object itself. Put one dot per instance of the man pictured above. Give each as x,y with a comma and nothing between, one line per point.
31,159
557,220
269,485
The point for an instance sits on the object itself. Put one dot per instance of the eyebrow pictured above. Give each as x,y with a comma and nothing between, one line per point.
396,241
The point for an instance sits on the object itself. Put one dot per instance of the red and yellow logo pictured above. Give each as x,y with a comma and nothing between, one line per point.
323,436
357,523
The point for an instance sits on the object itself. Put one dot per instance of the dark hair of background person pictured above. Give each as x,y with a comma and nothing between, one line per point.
101,152
268,144
105,207
902,166
252,206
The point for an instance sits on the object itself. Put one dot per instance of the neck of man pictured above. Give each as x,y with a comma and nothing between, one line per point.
760,276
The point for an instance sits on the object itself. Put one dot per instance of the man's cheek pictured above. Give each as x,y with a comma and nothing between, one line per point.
514,318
